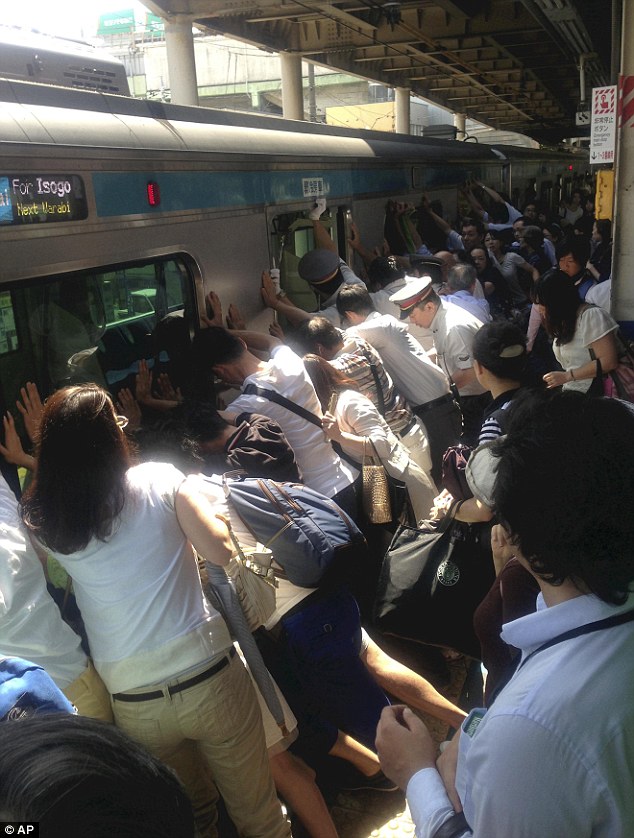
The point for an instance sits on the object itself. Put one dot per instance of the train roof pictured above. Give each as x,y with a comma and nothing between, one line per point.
34,113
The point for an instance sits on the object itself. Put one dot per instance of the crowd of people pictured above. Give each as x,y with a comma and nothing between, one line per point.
443,336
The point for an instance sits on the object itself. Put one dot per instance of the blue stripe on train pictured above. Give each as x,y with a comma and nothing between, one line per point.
125,193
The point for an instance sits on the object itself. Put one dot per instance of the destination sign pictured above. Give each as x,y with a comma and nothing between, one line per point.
38,199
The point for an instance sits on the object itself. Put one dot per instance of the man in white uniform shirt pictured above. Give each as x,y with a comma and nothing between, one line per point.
424,385
453,330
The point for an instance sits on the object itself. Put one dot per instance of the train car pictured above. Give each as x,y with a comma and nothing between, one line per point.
115,212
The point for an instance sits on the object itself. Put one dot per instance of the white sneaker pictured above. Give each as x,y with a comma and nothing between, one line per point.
318,210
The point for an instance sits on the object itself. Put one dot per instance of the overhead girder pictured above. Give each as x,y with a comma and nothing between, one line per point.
507,55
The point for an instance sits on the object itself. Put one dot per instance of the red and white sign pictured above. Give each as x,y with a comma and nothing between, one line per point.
626,92
603,130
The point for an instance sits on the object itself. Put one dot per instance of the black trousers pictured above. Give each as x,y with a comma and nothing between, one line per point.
443,426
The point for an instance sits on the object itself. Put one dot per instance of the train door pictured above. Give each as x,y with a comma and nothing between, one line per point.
291,236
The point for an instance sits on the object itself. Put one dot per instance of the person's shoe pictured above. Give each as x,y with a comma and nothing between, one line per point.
376,782
318,210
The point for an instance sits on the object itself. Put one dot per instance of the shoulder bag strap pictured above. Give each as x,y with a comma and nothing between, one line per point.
377,382
272,396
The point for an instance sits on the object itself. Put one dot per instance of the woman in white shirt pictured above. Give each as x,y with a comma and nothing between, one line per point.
584,336
354,422
125,534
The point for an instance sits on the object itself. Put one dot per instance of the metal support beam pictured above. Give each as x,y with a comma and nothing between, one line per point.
402,121
623,250
181,63
460,124
292,93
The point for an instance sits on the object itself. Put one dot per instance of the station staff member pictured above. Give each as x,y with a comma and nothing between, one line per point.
452,329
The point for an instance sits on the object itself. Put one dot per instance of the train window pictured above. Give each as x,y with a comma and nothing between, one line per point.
92,325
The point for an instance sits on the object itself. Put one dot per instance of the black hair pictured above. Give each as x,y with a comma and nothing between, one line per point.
216,345
383,270
564,488
79,488
317,330
177,435
576,246
432,297
355,298
77,776
557,292
500,346
473,222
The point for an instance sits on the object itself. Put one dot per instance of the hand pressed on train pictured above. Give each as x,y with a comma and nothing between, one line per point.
235,319
269,291
129,407
213,306
404,744
143,388
31,408
12,450
276,330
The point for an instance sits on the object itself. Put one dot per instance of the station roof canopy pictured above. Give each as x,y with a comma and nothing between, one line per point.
512,64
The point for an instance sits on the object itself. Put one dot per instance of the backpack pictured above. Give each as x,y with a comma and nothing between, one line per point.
305,530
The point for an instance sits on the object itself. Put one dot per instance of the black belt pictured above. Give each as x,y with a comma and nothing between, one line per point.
178,688
423,408
410,425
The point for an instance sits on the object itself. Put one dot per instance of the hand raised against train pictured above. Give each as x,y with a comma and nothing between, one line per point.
143,388
331,427
235,320
269,291
31,408
403,744
12,450
167,391
129,407
213,306
276,330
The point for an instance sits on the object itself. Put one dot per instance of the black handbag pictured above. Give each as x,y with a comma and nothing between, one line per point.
431,582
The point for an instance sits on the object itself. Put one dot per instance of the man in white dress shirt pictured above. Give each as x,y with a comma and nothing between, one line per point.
553,755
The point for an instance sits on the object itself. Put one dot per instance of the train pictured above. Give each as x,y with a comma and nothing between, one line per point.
115,212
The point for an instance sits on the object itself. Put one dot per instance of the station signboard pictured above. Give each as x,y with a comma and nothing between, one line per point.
604,124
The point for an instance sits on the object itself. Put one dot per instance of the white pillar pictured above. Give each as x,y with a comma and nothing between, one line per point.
460,124
181,64
292,91
623,248
402,121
